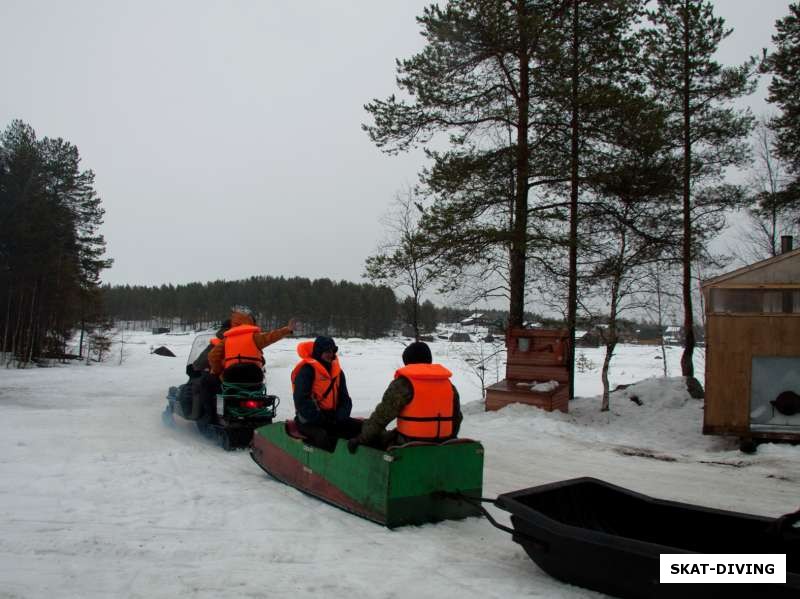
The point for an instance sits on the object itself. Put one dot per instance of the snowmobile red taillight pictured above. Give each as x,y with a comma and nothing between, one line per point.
251,404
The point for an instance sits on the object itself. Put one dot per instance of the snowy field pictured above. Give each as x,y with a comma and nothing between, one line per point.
99,499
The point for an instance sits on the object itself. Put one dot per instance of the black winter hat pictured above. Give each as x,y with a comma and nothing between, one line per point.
322,344
417,353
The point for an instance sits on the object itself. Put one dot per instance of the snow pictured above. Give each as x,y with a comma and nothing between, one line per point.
99,499
543,387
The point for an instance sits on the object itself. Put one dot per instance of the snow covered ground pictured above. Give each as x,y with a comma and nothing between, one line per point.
99,499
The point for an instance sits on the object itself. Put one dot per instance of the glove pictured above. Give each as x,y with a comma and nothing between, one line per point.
352,444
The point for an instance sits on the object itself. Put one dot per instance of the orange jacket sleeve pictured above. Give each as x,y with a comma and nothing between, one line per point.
269,337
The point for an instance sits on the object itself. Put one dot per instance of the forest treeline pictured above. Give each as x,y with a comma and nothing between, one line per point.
51,251
322,306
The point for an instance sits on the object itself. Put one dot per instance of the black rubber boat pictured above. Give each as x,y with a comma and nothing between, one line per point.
593,534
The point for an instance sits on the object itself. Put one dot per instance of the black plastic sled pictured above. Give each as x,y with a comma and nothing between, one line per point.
593,534
228,411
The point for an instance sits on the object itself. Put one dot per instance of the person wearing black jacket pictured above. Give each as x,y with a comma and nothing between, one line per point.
321,399
204,386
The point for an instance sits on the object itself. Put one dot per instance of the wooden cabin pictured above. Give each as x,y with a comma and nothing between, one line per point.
535,357
753,351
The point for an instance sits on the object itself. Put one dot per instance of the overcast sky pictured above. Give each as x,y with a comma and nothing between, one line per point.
225,136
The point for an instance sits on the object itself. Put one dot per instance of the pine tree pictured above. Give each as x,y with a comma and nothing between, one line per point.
479,80
784,91
708,134
596,85
50,249
527,90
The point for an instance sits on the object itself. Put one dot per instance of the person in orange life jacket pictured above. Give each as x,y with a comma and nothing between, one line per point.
422,399
243,342
322,403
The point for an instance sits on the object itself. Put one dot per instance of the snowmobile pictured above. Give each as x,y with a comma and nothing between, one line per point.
227,411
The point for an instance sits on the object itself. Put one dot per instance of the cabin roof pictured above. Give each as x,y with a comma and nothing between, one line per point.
783,268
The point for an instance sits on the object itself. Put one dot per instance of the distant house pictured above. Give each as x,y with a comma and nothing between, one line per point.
473,320
673,335
460,337
648,334
597,335
587,338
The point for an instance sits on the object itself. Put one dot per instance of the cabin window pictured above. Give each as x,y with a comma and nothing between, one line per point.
775,393
755,301
523,344
736,300
773,301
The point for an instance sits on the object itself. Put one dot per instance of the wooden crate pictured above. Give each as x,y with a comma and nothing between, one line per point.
538,355
507,392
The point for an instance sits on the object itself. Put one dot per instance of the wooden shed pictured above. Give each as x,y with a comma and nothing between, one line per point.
536,370
753,351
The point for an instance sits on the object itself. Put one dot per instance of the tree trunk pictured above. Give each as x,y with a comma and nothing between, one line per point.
39,332
611,340
7,321
610,346
15,333
31,325
572,296
687,365
519,236
416,317
80,343
774,236
660,313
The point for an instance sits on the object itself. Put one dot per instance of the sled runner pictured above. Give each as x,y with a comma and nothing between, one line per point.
401,485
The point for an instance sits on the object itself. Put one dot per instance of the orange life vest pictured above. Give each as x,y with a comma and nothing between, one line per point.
240,347
215,340
325,389
429,415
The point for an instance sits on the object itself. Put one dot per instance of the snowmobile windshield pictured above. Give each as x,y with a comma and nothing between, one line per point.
200,343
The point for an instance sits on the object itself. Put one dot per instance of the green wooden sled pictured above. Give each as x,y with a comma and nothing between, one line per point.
408,484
